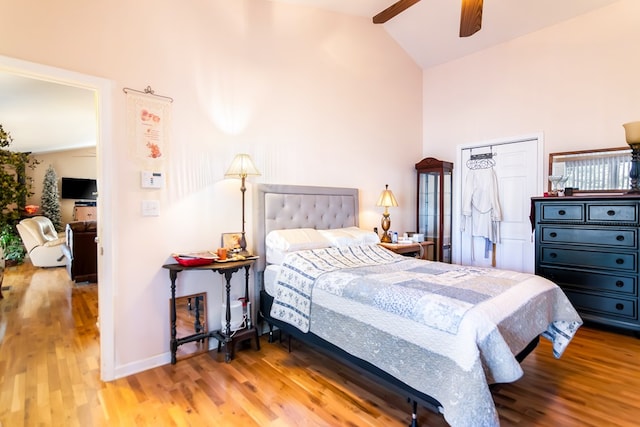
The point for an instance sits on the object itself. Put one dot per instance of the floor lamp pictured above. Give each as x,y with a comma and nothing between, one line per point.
241,167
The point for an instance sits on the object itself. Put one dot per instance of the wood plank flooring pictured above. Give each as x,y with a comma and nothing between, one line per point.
49,376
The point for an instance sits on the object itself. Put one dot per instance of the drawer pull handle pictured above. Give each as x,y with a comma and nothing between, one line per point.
619,261
619,238
619,283
554,234
562,212
619,306
611,213
553,255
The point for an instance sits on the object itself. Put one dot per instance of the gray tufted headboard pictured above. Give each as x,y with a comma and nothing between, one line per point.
278,207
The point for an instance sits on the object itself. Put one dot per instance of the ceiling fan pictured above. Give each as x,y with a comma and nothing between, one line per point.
470,16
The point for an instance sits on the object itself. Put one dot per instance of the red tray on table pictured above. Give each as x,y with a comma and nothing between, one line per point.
192,259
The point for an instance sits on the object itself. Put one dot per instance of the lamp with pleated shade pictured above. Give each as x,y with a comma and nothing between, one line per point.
387,200
632,134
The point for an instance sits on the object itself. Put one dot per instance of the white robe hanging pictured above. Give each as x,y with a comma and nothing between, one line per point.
481,205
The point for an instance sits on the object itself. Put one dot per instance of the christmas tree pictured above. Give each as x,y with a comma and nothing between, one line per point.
50,203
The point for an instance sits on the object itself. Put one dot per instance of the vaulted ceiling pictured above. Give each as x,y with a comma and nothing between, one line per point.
44,116
429,30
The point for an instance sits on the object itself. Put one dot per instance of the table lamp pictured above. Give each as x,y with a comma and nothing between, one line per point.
632,134
386,199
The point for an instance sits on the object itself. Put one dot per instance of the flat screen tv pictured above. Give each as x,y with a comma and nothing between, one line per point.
79,188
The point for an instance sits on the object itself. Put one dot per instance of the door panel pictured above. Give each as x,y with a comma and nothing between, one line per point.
516,171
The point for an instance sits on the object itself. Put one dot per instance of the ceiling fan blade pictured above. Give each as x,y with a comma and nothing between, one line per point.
393,10
470,17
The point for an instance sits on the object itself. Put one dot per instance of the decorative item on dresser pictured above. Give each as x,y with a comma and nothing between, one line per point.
434,192
589,246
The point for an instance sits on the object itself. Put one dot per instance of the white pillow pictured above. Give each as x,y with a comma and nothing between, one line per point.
281,242
350,236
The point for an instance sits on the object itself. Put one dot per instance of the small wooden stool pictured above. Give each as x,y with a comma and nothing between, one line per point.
241,335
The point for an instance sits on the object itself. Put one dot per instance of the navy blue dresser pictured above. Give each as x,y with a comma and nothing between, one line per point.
589,247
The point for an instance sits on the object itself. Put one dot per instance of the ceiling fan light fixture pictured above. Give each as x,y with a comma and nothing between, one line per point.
470,17
393,10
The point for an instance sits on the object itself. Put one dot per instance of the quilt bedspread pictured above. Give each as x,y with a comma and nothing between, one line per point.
300,270
447,331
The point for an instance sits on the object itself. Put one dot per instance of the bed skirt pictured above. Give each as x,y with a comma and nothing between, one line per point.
359,365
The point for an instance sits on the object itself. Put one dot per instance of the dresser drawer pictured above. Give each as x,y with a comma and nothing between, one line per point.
624,238
612,212
560,212
588,259
624,285
618,307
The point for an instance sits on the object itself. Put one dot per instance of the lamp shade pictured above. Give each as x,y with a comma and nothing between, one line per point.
386,198
241,167
632,132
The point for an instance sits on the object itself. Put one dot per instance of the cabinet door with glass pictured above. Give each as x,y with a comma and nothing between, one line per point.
434,204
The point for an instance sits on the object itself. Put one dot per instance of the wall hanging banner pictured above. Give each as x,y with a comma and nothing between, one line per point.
148,124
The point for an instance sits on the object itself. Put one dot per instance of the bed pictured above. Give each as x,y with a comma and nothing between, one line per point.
438,333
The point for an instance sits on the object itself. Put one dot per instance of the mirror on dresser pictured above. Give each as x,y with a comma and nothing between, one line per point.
591,171
191,318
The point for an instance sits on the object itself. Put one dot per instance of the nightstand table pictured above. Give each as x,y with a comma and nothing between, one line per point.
225,336
422,250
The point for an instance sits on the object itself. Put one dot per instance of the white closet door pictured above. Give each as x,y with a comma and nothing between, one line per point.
516,169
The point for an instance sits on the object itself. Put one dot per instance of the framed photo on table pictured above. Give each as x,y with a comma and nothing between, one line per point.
231,241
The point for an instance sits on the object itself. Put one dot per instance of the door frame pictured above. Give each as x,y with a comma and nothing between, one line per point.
457,180
103,90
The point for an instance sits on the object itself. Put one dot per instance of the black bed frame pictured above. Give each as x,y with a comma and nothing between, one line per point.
363,367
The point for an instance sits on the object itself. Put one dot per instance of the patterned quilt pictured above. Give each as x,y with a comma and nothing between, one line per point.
452,329
301,269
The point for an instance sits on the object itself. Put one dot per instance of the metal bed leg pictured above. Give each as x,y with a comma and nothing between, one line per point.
271,339
414,413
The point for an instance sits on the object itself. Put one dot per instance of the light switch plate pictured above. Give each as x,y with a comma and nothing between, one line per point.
150,208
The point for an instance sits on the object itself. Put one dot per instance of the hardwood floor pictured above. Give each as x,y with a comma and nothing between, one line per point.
49,375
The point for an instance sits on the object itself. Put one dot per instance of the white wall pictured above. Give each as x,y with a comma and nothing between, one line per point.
316,98
577,82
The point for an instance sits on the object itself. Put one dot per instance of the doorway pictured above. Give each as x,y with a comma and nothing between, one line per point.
517,164
102,90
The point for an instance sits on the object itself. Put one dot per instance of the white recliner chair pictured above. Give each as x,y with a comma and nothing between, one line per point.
44,245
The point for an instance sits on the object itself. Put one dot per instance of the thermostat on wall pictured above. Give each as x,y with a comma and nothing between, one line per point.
152,179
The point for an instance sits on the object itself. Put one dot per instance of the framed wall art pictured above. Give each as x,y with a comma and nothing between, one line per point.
231,241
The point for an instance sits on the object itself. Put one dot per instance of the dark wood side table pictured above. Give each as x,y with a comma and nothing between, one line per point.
224,336
422,250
